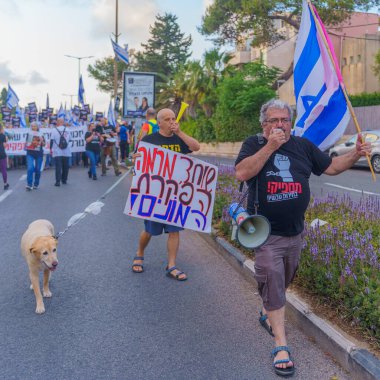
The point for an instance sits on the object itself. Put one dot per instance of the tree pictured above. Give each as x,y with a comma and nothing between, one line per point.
103,72
166,50
3,96
241,94
376,67
231,21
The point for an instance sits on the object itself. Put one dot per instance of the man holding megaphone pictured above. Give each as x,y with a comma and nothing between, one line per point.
282,164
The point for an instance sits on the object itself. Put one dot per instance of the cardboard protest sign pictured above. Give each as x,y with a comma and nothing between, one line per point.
172,188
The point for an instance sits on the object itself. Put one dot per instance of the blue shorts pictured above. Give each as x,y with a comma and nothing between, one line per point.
156,228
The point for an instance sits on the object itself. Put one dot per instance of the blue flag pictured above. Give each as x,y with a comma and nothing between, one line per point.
61,112
322,111
111,115
21,114
81,91
120,53
12,98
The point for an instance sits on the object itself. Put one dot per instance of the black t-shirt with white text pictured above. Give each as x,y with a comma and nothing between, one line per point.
173,143
107,129
284,191
94,144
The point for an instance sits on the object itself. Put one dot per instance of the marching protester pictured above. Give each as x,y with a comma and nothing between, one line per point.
34,156
61,151
150,126
124,141
131,130
274,159
108,149
169,135
93,141
3,157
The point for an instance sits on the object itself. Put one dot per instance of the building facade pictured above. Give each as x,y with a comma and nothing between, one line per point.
356,41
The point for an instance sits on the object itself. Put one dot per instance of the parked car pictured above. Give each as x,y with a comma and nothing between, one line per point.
370,136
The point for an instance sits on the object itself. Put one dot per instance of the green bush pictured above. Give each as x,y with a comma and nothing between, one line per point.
240,97
365,99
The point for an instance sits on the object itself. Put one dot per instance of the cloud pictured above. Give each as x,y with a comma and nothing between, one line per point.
133,22
9,8
6,75
36,78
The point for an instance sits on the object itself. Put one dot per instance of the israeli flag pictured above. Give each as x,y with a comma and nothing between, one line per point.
61,112
20,113
68,116
111,115
12,98
81,91
120,53
322,111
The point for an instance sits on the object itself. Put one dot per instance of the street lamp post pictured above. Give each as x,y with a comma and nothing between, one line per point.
79,59
71,99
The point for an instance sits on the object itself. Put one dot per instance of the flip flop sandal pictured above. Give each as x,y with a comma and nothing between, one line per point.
175,276
284,372
138,265
263,322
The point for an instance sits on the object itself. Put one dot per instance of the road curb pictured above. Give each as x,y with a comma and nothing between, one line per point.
359,362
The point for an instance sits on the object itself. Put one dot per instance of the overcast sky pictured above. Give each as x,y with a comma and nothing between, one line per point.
36,34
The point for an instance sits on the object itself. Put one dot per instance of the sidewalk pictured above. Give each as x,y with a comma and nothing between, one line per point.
358,361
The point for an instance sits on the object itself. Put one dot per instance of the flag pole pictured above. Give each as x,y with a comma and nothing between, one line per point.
321,33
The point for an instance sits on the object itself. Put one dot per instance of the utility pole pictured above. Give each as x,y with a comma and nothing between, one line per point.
116,34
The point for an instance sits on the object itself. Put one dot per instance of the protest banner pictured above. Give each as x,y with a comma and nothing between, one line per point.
172,188
16,145
32,107
16,122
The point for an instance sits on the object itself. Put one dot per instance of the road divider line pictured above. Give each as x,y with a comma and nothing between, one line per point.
115,184
351,189
5,195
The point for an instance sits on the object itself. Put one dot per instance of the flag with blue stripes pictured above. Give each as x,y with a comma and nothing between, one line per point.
81,91
21,114
61,113
120,53
12,98
111,115
322,111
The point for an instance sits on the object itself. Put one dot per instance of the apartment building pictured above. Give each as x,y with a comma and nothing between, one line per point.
356,42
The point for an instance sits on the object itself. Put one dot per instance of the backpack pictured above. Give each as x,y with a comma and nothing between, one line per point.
62,141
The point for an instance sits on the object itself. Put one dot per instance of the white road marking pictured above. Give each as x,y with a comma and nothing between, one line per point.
5,194
351,189
22,177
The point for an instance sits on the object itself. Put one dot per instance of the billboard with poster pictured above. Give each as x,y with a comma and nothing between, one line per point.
138,93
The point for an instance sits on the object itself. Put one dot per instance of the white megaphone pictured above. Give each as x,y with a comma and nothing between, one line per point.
251,231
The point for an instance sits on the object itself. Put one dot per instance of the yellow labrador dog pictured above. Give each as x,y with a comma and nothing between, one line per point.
39,247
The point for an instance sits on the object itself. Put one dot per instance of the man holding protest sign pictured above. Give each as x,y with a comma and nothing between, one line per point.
169,137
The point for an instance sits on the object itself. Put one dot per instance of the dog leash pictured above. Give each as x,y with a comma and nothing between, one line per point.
93,208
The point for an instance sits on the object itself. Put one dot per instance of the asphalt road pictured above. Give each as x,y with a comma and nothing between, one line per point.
105,322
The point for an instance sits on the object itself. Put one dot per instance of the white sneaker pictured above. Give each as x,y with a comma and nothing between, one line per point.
29,188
